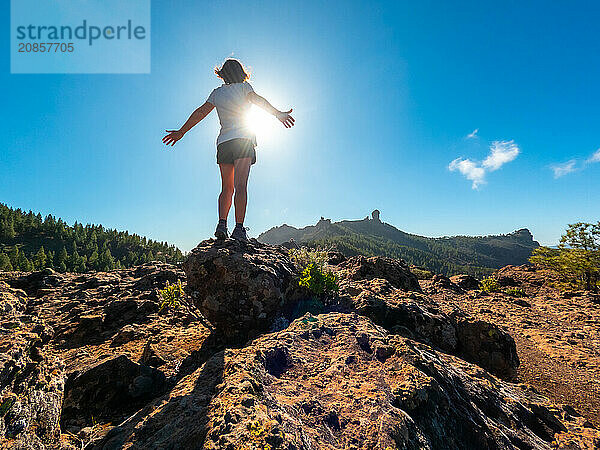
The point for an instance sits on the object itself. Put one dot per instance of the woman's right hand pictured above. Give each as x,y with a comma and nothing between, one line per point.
172,137
285,118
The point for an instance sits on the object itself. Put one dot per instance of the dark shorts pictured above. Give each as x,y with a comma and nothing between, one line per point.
229,151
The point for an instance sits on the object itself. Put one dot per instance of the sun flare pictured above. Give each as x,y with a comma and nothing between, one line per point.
260,122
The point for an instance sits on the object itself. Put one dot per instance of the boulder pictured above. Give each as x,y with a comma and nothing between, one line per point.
396,271
335,257
488,345
466,282
507,281
239,287
30,403
291,244
443,282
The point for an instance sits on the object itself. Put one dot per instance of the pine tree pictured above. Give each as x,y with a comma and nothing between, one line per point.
81,265
14,257
39,260
61,259
106,261
50,259
73,261
7,230
93,261
24,264
5,264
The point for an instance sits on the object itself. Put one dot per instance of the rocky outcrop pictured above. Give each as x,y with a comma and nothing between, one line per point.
239,287
396,271
339,381
556,332
399,312
31,380
415,316
442,282
487,345
383,366
98,340
466,282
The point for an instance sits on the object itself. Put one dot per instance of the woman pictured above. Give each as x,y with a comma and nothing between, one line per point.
236,142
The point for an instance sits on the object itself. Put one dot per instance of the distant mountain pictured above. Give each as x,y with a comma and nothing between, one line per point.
30,242
475,255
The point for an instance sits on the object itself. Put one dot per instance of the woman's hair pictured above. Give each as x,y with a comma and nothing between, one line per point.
232,71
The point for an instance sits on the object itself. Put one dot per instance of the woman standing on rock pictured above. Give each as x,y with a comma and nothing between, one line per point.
236,142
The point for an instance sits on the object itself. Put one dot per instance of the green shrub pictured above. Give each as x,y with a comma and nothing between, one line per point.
421,274
490,284
515,292
317,280
315,274
172,295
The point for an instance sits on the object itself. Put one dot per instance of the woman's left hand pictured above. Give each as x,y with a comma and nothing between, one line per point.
172,137
285,118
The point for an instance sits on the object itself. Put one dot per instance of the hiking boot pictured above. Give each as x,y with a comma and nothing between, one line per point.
239,233
221,232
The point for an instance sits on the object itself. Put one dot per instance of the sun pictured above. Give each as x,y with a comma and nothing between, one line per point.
260,122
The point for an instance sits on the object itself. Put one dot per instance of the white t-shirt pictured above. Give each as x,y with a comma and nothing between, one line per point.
232,105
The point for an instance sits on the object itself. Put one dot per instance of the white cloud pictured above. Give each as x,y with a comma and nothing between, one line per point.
473,135
470,170
560,170
501,152
595,157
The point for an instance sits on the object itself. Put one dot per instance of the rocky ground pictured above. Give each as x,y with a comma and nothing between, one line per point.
251,361
557,333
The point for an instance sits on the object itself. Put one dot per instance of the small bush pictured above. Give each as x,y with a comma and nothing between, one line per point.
490,284
421,274
314,272
515,292
172,295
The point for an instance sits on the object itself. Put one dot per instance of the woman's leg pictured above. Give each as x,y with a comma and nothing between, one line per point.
227,186
241,172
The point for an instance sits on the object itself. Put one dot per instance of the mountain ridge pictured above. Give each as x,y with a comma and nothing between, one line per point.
475,255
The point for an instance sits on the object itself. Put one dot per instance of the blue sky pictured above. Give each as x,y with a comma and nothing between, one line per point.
385,96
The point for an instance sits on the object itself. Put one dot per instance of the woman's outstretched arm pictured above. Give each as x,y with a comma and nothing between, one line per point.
283,116
195,117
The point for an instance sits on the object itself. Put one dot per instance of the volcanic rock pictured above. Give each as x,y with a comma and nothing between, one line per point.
396,271
466,282
110,391
239,287
417,317
31,381
486,344
323,383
